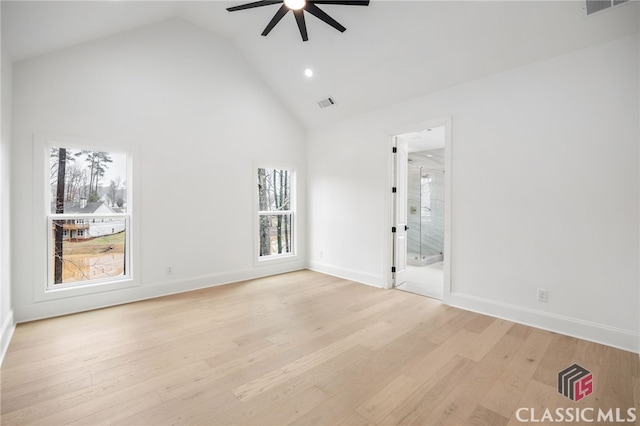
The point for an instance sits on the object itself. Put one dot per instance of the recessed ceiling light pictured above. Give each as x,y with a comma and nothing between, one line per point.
430,155
308,72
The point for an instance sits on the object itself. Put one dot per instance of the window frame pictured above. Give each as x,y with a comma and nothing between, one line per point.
43,248
292,211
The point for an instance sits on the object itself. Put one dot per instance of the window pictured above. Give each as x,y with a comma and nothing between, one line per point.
85,188
276,217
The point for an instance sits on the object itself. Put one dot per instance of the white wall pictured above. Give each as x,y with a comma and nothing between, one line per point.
196,117
545,192
7,324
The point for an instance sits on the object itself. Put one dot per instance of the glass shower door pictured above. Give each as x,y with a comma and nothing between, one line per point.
414,221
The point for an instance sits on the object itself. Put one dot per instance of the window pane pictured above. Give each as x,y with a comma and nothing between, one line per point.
276,234
87,182
274,189
84,250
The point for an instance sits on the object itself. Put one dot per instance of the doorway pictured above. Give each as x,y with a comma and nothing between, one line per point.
421,210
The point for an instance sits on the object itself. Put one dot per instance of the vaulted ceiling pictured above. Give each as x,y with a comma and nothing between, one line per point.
391,51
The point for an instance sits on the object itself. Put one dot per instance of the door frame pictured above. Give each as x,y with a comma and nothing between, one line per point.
448,191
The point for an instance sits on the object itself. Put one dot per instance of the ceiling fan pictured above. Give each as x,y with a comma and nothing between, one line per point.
298,7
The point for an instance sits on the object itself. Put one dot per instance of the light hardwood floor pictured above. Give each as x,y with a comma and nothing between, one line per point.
300,348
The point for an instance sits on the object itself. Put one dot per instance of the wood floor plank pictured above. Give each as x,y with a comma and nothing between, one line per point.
536,398
30,394
559,355
362,380
612,387
107,354
481,343
459,319
300,348
383,402
282,374
432,362
479,323
421,403
273,356
68,406
285,411
520,331
180,410
378,369
460,403
504,395
354,419
283,392
105,414
482,416
636,397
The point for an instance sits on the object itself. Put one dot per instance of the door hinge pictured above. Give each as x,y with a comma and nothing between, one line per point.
393,269
393,229
394,189
394,150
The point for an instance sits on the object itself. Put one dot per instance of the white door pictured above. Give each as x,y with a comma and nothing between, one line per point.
400,214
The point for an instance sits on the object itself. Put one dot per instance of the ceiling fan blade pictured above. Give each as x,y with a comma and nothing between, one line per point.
254,4
342,2
302,25
276,18
320,14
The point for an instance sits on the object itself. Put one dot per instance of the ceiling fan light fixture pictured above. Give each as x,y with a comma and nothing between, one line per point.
298,7
295,4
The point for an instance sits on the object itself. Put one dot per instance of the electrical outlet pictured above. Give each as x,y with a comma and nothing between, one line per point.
543,295
169,270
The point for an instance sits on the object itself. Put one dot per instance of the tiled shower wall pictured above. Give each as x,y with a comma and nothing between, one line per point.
426,232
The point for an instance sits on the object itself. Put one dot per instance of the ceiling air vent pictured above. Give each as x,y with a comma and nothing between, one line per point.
326,102
593,6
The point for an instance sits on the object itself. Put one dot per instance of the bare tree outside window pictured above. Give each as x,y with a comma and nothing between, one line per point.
275,211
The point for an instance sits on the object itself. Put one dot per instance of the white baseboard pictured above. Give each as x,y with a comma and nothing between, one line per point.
53,308
594,332
347,274
8,327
